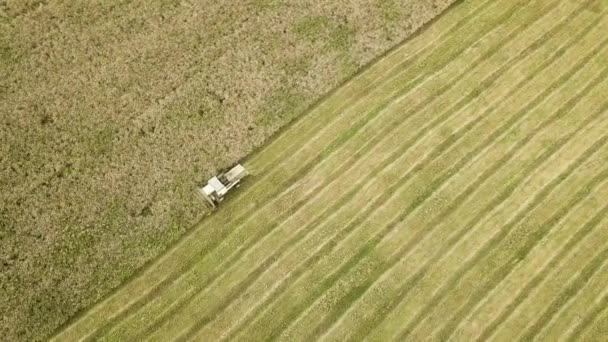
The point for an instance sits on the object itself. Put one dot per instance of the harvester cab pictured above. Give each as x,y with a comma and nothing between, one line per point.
217,187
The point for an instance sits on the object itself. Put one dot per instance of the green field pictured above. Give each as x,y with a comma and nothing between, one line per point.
456,189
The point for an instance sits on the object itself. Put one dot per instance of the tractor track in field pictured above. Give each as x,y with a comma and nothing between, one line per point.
567,108
407,212
320,254
417,276
330,179
539,197
496,239
556,259
384,165
580,65
496,278
460,199
600,306
240,219
363,215
357,156
566,295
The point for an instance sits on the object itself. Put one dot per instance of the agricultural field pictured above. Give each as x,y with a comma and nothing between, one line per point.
112,112
455,189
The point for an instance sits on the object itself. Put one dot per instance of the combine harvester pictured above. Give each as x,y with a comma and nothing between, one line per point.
218,186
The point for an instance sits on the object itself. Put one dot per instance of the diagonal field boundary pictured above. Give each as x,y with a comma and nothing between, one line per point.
434,195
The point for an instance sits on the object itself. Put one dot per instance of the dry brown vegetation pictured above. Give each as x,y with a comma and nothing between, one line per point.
112,111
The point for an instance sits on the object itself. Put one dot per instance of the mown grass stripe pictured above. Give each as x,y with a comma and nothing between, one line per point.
487,55
293,210
335,144
334,277
455,321
533,239
147,271
343,233
356,293
596,331
502,233
480,294
333,243
569,315
592,315
315,116
566,295
338,141
410,245
282,189
486,248
457,236
333,147
538,278
359,291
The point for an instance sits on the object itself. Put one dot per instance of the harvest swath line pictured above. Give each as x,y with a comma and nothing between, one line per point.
566,295
134,306
501,274
558,115
370,174
324,255
292,211
556,259
375,206
597,330
496,239
393,71
381,201
336,143
456,237
411,244
569,315
584,252
358,291
588,291
538,278
452,208
277,142
600,306
538,199
512,265
324,155
568,226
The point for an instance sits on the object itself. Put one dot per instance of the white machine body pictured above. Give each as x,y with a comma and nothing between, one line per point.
217,187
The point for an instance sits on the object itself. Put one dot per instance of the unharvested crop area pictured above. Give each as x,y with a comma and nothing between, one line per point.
454,190
112,111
